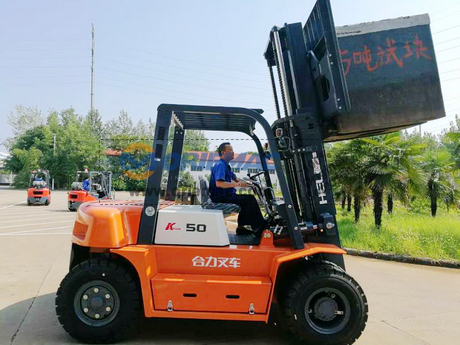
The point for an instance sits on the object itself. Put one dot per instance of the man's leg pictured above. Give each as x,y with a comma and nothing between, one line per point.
250,213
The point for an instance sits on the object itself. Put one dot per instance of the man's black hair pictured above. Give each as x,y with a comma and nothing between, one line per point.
221,148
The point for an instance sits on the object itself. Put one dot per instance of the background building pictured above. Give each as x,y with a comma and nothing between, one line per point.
201,163
6,178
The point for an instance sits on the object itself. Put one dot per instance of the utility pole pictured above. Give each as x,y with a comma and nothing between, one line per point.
92,69
420,130
54,154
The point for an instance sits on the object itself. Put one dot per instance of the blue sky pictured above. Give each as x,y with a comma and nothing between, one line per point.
197,52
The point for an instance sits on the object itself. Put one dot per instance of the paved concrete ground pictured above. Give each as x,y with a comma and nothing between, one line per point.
408,304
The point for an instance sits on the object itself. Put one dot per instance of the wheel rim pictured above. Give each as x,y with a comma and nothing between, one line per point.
327,310
96,303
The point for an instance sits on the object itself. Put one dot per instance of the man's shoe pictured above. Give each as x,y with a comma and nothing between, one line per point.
241,230
261,229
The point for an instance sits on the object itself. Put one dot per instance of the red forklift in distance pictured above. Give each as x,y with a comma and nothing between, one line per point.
39,192
99,188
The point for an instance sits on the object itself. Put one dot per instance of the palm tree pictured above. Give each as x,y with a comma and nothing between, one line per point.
346,170
441,181
390,168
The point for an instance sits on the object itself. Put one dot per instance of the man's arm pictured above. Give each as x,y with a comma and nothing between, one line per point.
225,184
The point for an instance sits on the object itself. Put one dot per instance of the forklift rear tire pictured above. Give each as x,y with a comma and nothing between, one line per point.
324,305
99,301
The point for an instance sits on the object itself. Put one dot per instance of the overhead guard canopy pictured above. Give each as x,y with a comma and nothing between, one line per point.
214,118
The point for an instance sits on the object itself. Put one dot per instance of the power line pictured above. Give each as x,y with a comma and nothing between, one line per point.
439,51
43,40
448,60
86,66
32,50
452,70
452,27
451,111
177,82
159,94
47,77
44,58
451,99
185,76
179,59
162,64
442,81
453,103
78,82
451,14
447,8
453,39
169,90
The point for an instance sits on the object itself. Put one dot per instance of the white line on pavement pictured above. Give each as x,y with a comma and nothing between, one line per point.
25,210
27,231
27,220
40,234
21,202
16,226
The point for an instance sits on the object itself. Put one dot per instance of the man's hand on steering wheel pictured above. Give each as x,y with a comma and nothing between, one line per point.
241,183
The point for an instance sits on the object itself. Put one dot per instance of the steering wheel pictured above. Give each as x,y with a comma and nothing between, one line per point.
252,177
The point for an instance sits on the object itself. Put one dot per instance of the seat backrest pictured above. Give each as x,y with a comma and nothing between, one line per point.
77,186
206,202
204,190
39,184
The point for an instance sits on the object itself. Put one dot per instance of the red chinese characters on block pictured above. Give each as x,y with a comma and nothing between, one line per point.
381,57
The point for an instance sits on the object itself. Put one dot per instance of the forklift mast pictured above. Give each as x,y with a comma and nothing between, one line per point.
105,179
38,172
312,88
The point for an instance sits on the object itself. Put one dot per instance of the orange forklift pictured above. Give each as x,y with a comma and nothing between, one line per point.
99,187
164,260
159,259
39,192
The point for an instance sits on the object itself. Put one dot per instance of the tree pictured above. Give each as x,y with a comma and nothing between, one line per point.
24,119
347,169
27,153
93,122
195,141
389,167
441,181
451,140
186,180
30,160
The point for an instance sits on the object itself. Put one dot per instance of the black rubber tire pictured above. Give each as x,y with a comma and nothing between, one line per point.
315,278
130,301
29,203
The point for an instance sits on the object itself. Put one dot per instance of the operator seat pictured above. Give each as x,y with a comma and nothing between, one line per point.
207,203
227,209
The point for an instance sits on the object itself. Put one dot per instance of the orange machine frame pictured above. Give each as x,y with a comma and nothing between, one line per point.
221,283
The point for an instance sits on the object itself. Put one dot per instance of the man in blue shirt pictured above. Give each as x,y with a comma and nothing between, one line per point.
222,189
86,184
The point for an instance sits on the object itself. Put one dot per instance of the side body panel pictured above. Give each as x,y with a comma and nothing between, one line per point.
230,281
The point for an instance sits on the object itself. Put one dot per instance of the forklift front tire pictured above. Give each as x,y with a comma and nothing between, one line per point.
324,305
99,301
